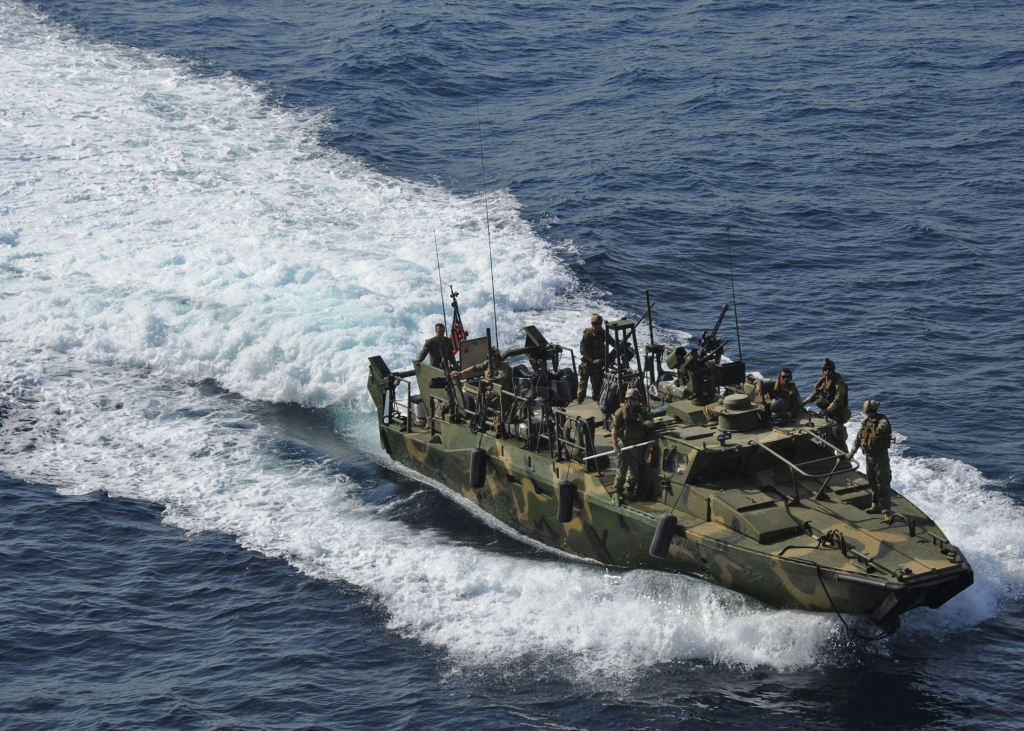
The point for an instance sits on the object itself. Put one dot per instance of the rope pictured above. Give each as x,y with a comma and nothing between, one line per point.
849,628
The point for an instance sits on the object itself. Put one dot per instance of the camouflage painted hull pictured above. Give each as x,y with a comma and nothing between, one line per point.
764,504
876,570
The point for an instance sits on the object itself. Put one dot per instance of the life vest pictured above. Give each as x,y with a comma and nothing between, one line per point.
629,423
872,437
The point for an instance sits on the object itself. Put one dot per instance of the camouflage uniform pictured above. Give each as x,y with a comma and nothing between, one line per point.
874,438
790,395
631,426
502,377
440,350
593,352
780,389
832,396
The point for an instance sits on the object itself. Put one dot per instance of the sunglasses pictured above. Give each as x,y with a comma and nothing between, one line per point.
785,377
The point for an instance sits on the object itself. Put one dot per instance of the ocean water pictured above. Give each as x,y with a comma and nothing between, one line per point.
211,213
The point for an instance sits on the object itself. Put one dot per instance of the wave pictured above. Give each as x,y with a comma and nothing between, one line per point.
155,217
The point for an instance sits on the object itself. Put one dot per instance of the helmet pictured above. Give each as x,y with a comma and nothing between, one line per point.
778,407
871,405
828,364
632,393
595,319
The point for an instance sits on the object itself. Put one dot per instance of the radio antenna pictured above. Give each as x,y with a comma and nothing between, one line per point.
487,215
735,311
444,314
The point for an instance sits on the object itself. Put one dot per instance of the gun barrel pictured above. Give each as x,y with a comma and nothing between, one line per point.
721,317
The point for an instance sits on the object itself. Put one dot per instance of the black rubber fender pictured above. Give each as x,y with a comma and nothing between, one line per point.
663,536
566,500
477,467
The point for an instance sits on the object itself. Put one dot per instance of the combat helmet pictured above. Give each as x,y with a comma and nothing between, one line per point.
870,406
632,393
827,364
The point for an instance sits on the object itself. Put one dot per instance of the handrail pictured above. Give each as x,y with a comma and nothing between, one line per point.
818,438
793,469
792,466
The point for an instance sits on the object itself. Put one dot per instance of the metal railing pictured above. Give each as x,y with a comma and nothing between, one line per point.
794,469
535,431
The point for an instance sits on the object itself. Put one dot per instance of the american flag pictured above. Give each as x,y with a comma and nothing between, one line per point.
458,332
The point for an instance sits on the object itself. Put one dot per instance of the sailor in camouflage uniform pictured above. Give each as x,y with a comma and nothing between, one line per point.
874,438
497,371
593,353
832,396
631,425
784,391
439,348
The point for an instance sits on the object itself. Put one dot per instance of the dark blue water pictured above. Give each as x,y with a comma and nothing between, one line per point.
181,554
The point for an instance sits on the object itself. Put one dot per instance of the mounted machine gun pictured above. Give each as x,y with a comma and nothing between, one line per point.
700,370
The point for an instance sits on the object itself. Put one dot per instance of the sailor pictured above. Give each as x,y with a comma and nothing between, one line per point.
874,438
439,348
782,396
495,369
631,426
832,396
497,372
593,353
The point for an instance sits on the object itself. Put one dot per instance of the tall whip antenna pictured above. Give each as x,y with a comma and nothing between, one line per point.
735,312
487,214
439,284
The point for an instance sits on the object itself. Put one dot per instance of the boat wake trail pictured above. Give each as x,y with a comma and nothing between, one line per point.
156,217
206,456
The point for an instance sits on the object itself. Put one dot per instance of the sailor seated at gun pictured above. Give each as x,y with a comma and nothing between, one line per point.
495,371
782,397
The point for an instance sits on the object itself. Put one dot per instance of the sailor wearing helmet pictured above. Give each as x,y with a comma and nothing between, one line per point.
874,438
593,354
631,426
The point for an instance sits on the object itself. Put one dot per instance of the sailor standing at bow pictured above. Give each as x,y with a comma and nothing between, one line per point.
874,438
